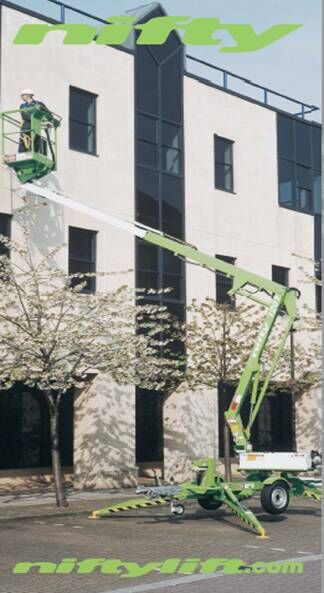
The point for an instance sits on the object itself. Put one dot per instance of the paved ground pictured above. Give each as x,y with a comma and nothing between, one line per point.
40,534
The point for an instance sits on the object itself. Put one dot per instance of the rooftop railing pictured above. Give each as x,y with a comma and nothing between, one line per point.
229,81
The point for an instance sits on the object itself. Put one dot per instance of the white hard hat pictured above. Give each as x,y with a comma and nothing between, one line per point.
27,92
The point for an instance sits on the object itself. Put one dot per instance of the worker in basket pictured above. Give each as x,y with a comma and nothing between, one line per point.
25,140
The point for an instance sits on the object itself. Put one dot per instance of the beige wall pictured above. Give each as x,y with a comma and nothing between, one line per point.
105,181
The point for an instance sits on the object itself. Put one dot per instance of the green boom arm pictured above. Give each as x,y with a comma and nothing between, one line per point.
279,300
282,300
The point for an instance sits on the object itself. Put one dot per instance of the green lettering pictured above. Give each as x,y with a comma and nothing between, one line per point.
273,567
43,567
212,564
75,34
170,566
87,566
234,566
292,567
189,566
258,568
118,33
66,566
200,30
128,569
248,40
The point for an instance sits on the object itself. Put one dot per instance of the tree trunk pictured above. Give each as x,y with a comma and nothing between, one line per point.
61,500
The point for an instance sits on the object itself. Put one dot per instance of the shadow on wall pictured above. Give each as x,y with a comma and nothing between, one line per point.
104,428
46,223
190,431
308,420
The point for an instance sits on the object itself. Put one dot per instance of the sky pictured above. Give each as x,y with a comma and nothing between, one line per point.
291,66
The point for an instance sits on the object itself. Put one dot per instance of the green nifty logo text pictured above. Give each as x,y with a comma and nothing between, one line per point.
196,31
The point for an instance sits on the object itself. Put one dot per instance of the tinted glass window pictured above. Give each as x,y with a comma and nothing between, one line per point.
146,154
299,151
172,88
316,147
147,128
303,177
148,255
224,283
171,263
147,95
223,163
171,135
285,137
317,192
82,130
286,182
303,143
280,275
82,256
147,197
171,160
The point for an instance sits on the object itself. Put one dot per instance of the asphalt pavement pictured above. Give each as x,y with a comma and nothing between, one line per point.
32,530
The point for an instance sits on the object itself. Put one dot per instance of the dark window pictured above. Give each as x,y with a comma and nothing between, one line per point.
318,298
224,284
5,229
280,275
286,137
286,183
146,134
171,148
299,164
83,121
171,87
82,256
159,202
149,425
317,192
25,429
303,188
318,261
303,143
223,163
273,429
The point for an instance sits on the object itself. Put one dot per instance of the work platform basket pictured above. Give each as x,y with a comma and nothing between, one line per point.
31,150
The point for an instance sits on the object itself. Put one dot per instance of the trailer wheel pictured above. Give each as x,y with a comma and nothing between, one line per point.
275,497
209,503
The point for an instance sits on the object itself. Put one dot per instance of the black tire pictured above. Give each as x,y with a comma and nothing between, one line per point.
209,503
275,497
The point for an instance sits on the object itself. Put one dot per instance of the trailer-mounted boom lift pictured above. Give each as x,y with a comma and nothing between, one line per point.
275,475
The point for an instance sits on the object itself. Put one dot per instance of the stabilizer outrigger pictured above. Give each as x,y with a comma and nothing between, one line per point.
273,475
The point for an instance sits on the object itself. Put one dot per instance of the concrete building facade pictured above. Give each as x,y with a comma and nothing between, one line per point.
173,150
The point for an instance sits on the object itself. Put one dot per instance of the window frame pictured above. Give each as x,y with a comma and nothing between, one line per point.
231,144
275,267
80,122
295,163
8,220
220,277
92,261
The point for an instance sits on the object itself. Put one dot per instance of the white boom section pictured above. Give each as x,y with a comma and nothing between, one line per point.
135,228
275,461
